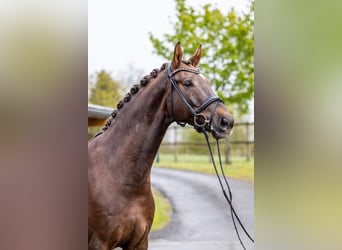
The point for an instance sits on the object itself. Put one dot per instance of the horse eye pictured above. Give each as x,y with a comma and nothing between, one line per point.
187,83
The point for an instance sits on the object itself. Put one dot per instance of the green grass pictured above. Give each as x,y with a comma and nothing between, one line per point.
163,211
240,168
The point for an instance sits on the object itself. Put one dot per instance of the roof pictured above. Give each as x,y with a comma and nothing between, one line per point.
97,115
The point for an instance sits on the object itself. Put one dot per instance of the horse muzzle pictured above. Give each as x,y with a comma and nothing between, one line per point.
223,128
221,123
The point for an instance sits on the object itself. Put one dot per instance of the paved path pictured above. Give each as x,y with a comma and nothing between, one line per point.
201,219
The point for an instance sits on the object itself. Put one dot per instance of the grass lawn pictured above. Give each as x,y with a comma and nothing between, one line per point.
240,168
163,211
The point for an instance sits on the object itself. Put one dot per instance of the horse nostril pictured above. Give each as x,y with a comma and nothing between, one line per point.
224,122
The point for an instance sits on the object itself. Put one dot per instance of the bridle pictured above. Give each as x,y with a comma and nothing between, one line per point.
200,124
200,121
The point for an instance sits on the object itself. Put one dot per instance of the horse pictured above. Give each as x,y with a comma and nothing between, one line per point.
120,202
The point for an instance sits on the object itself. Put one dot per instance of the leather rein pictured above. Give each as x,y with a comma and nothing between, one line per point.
200,124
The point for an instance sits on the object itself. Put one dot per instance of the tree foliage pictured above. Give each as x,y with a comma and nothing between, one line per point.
104,90
228,42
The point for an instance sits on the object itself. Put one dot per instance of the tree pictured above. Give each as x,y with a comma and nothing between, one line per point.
228,41
104,90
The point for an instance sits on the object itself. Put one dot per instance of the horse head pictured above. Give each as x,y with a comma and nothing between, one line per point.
192,99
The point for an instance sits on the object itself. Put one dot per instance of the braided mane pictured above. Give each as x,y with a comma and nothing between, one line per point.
134,89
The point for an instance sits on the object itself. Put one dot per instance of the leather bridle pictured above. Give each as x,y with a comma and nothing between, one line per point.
200,124
200,121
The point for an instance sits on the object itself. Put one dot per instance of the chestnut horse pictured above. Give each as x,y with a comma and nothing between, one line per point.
120,202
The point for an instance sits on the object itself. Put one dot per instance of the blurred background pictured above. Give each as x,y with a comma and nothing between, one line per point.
226,31
43,108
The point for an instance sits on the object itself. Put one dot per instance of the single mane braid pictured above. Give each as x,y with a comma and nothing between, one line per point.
134,89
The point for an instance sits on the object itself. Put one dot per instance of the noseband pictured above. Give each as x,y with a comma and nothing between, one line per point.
200,120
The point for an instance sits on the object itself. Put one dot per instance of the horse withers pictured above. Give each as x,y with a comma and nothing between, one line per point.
120,202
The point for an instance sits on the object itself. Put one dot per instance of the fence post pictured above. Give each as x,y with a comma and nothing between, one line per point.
248,156
176,147
227,152
158,158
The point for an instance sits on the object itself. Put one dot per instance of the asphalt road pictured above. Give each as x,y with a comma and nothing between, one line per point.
201,216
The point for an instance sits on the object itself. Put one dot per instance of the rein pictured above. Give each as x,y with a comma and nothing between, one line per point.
200,124
230,198
200,120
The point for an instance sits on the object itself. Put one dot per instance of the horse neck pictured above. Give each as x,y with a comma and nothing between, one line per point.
139,127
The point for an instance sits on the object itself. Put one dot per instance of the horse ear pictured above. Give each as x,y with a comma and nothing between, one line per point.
196,57
177,56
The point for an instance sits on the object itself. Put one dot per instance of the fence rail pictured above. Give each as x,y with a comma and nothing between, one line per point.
241,145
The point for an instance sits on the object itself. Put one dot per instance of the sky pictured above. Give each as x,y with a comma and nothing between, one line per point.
118,31
118,40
